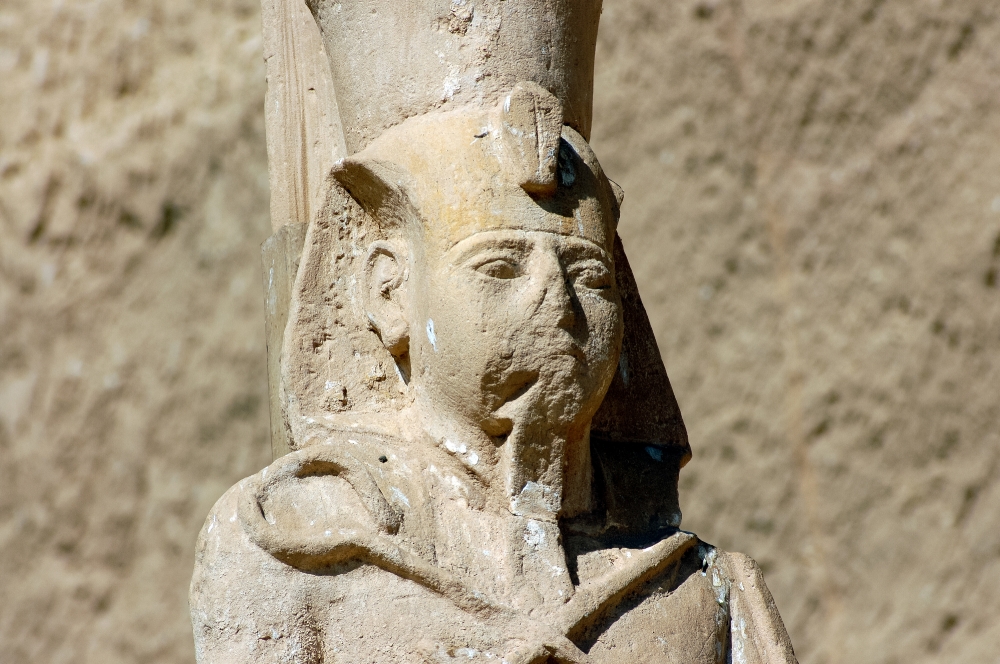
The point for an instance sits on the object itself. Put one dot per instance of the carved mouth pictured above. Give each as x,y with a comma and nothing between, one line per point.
564,343
575,352
518,384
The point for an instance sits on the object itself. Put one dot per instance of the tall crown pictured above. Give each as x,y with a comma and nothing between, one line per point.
393,59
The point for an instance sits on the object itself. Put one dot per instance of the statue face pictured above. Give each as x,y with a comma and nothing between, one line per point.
514,323
503,303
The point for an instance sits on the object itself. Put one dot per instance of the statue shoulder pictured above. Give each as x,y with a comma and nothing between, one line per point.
757,630
235,614
319,508
334,500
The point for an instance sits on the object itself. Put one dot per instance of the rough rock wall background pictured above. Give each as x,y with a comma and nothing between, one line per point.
133,200
812,209
813,200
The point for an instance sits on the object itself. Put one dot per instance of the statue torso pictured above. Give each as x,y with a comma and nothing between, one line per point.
453,581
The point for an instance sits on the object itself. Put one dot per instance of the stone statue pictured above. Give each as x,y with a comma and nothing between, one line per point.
484,444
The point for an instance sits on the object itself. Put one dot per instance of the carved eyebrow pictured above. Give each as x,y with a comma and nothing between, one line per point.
468,247
577,248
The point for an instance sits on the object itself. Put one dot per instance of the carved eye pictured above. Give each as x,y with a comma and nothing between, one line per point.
498,268
591,274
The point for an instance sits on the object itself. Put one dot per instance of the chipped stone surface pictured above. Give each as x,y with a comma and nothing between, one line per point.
96,554
501,485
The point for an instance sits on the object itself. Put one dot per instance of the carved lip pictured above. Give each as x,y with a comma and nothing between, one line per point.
523,381
573,350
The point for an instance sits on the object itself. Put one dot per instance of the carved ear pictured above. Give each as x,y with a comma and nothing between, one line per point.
532,120
385,279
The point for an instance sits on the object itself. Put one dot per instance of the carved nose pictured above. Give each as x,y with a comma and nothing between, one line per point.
557,294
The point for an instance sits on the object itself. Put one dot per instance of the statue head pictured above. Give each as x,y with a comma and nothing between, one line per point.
491,279
466,271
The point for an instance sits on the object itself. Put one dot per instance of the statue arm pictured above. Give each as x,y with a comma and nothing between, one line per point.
758,635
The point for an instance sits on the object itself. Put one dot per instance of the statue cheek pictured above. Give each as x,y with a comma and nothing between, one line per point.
604,318
605,329
495,309
469,328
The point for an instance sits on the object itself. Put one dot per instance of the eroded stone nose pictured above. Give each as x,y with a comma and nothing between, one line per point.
557,300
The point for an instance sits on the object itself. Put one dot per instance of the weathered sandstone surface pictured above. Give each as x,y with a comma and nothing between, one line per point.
812,211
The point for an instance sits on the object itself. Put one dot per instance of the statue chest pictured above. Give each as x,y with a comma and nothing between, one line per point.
380,617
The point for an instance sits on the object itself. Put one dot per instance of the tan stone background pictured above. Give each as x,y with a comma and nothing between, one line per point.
813,210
